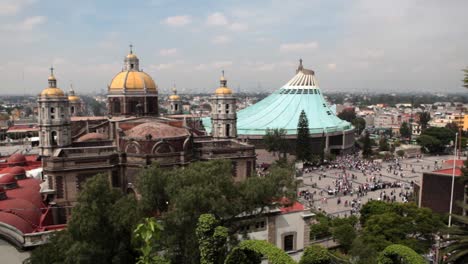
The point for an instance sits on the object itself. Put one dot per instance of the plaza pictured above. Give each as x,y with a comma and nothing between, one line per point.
320,184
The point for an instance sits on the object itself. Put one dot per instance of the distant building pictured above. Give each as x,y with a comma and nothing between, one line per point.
281,110
435,189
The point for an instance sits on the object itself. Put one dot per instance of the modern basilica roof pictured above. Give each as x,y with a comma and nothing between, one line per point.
282,108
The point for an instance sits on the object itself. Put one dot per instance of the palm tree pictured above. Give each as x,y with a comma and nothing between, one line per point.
465,80
457,241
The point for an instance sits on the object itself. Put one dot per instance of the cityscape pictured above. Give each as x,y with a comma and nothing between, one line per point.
230,132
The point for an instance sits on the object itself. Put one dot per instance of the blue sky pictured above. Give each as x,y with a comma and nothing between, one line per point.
362,45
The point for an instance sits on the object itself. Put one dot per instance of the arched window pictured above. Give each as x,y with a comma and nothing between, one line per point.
53,138
228,130
116,106
72,110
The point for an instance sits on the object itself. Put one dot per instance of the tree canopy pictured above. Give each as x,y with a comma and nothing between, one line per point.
405,130
303,146
275,141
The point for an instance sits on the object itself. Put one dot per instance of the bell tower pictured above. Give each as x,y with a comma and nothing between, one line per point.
54,118
223,115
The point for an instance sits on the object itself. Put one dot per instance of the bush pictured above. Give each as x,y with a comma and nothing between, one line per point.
315,254
400,153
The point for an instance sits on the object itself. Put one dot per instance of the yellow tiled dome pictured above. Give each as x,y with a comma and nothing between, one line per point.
223,90
73,98
133,81
174,97
52,91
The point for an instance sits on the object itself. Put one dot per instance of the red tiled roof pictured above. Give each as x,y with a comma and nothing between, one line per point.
458,163
449,172
295,207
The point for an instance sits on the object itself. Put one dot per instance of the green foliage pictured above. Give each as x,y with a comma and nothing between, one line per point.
424,118
275,141
315,254
243,256
453,127
208,187
405,130
321,229
270,251
359,124
347,114
147,236
429,144
345,235
212,239
366,146
400,153
383,144
457,242
152,182
385,224
303,146
465,79
100,230
394,254
443,134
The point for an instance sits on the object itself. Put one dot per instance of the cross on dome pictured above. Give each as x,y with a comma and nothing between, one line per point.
131,49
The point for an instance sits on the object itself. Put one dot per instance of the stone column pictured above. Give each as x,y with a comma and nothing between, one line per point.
272,230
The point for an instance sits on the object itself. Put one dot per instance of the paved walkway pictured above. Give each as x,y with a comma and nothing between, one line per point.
315,182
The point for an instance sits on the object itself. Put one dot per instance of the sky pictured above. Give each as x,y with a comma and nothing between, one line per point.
352,45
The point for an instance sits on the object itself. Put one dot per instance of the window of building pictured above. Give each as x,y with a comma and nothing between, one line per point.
52,110
53,138
59,186
115,179
234,168
288,243
249,168
228,130
72,110
227,108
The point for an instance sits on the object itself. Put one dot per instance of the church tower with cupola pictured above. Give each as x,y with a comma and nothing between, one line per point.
132,92
223,115
175,103
54,118
76,106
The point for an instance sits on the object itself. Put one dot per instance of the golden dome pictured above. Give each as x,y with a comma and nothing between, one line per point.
132,56
223,90
73,98
133,81
174,97
51,91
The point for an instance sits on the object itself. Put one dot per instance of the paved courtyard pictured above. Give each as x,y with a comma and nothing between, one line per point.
336,190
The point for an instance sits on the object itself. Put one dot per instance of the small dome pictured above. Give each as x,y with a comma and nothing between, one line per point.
157,131
16,159
16,221
132,81
132,56
73,98
18,172
22,208
8,181
92,137
223,90
51,78
174,97
52,92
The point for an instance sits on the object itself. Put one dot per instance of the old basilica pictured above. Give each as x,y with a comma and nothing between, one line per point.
133,136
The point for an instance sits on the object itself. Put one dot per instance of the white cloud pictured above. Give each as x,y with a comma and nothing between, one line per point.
222,39
298,47
238,27
26,25
177,21
12,7
217,19
168,52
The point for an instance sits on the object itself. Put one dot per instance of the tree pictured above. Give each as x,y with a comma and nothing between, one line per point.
275,141
429,144
424,118
452,126
321,229
347,114
405,130
383,144
400,254
443,134
385,224
303,147
366,146
315,254
273,254
360,124
212,239
345,235
465,80
100,230
147,235
208,187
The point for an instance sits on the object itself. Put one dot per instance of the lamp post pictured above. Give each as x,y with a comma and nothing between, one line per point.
453,181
